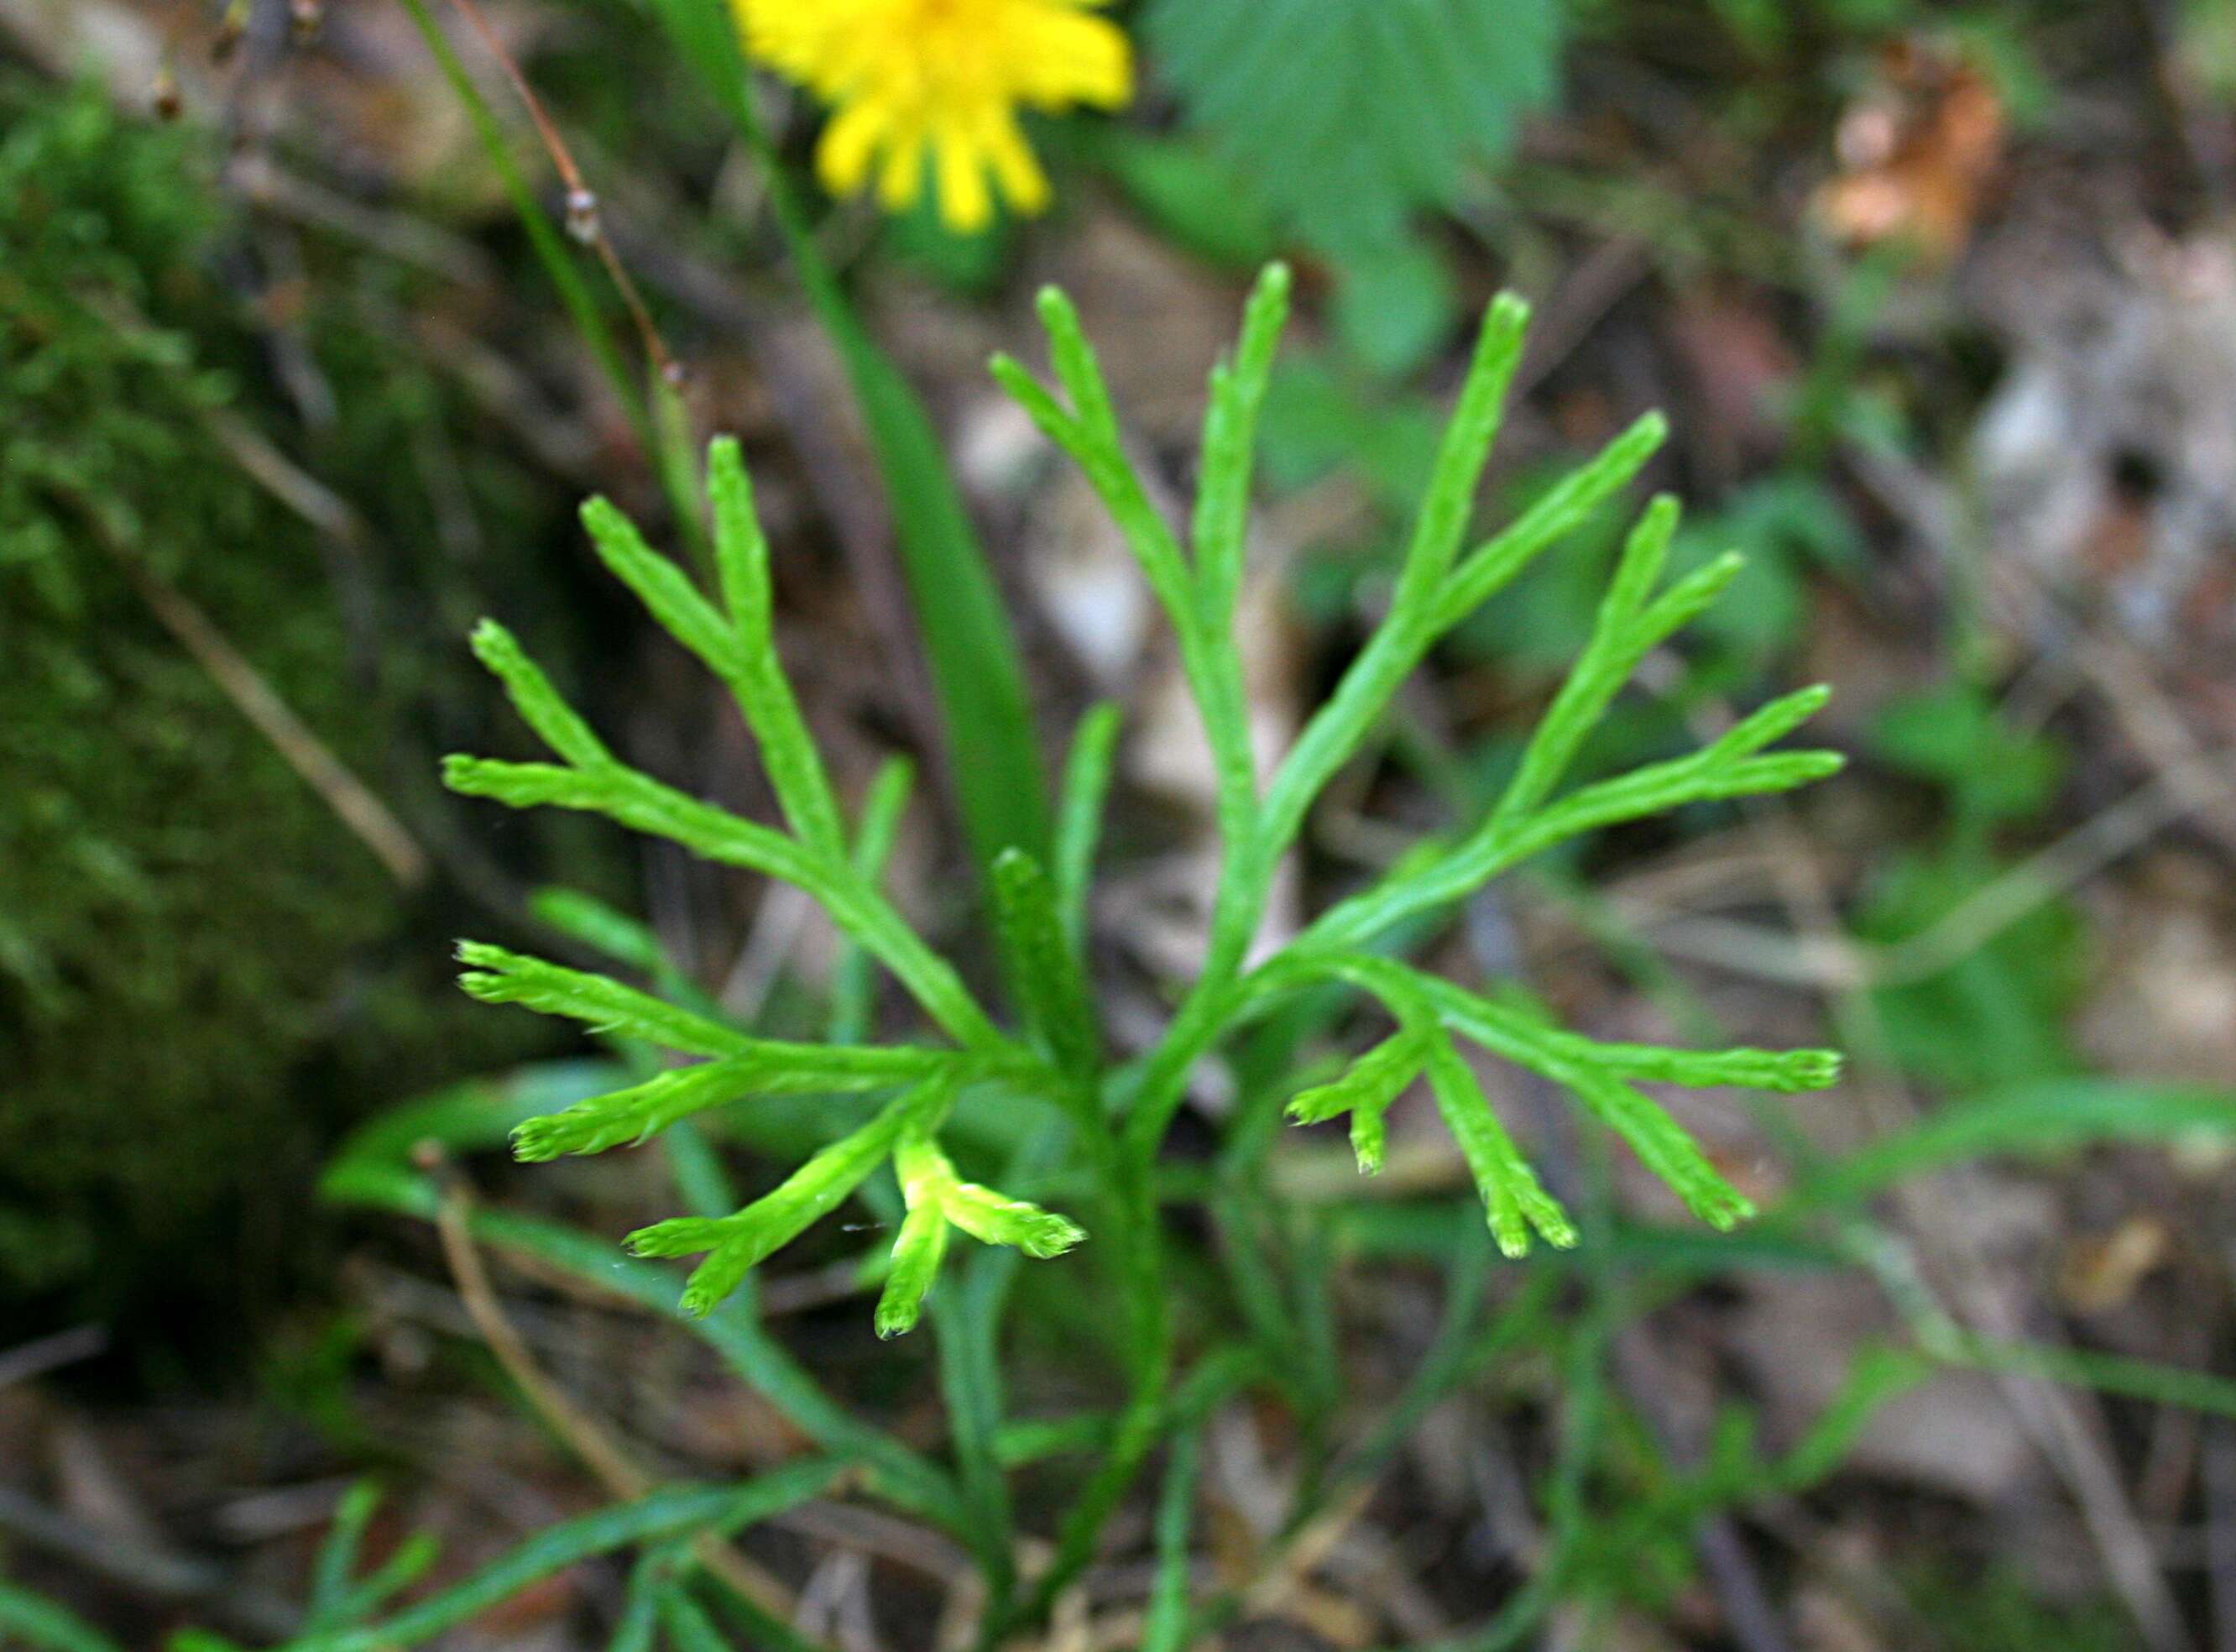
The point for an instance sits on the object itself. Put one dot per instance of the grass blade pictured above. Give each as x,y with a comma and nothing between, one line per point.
899,1475
671,1512
44,1624
1165,1628
1079,817
2053,1117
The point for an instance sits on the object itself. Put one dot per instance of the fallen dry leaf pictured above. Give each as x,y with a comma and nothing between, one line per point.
1916,152
2100,1271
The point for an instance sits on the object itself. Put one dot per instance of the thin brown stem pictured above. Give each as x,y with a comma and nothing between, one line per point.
352,802
585,220
584,1435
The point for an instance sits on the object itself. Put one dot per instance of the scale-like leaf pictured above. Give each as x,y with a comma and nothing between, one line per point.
495,976
765,1068
1377,1079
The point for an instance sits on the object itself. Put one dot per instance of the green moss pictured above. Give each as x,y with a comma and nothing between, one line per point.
173,901
201,970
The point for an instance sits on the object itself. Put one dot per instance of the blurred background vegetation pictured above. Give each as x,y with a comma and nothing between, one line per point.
1942,301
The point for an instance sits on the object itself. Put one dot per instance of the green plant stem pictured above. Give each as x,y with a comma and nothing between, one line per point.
1144,1422
977,669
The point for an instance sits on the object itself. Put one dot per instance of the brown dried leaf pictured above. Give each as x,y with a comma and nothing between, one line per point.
1916,153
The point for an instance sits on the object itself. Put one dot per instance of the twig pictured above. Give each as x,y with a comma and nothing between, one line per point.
1835,962
36,1358
585,222
2055,1420
351,799
874,1533
584,1435
285,481
263,182
2159,731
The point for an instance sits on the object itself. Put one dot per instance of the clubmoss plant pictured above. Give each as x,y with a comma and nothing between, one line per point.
1057,1055
1114,1116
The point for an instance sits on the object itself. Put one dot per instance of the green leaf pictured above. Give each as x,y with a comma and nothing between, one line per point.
1618,642
664,589
1366,1092
1772,722
639,802
1418,612
764,693
764,1067
917,1253
44,1624
1053,991
1349,115
539,704
1395,303
1562,510
924,1176
1448,501
736,1244
1221,527
470,1117
1663,1147
337,1561
586,918
1088,431
1511,1195
1956,737
2106,1374
1875,1377
638,1627
2057,1115
937,1198
1524,1034
1165,1627
495,975
853,986
690,1628
671,1512
406,1564
1079,816
1191,198
1708,776
996,1219
1321,414
2001,1014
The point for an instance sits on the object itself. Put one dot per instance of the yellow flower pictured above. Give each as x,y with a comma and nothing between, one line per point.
943,79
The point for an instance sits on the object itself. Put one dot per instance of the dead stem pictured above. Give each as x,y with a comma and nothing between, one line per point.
352,802
602,1455
585,220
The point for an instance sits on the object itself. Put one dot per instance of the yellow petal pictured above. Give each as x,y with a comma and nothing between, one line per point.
905,76
1024,186
1071,58
849,144
901,179
965,203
